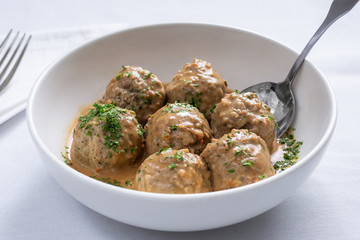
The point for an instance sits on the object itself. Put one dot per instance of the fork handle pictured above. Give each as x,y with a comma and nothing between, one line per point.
338,9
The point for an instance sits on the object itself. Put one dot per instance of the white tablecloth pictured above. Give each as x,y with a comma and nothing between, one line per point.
326,206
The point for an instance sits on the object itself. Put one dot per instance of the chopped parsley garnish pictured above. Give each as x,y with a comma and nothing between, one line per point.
161,150
271,117
291,151
185,81
171,166
242,152
109,115
147,75
128,183
173,127
140,130
132,149
237,153
213,108
119,76
247,163
262,176
113,182
194,102
179,155
229,141
149,100
231,170
170,107
66,159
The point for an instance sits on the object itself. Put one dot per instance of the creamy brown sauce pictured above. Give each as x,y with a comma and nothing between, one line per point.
125,176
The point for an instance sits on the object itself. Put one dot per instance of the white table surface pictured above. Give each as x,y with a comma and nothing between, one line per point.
326,206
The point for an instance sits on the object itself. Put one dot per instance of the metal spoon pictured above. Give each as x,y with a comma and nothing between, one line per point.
279,96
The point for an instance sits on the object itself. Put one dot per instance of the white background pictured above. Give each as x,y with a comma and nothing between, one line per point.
326,206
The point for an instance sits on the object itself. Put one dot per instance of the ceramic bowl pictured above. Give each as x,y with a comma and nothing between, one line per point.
242,57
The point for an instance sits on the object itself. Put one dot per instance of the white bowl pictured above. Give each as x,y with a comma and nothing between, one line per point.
243,58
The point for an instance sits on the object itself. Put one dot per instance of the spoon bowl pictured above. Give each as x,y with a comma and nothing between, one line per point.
279,96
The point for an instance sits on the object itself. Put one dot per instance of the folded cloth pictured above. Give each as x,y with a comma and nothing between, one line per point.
44,48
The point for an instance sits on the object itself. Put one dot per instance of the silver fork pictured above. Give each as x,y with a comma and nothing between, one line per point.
9,63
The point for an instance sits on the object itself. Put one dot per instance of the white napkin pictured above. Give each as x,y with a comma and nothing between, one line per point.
44,48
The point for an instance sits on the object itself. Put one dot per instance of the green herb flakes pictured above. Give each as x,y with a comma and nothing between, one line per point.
161,150
213,108
140,130
109,114
132,149
291,151
147,75
172,165
247,163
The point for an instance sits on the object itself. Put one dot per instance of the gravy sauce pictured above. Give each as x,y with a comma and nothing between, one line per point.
125,176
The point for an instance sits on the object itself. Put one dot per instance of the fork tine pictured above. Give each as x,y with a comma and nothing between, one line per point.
5,39
13,54
16,64
8,49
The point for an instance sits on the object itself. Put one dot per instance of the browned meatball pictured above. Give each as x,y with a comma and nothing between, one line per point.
107,137
177,126
244,110
199,84
136,89
237,159
173,171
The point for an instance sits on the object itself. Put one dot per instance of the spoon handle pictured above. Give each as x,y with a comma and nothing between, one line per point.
338,9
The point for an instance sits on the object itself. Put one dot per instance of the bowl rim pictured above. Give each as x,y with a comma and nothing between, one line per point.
162,196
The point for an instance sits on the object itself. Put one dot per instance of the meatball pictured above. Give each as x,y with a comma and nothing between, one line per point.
237,159
199,84
173,171
177,126
136,89
107,137
246,111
